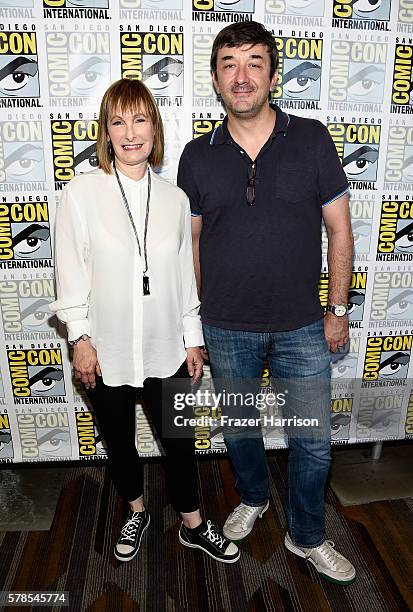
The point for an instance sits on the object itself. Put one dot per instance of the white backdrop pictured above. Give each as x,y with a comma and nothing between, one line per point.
346,63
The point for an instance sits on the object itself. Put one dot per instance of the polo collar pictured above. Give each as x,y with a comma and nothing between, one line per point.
221,134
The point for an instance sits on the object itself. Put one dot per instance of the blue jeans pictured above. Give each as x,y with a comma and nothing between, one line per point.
300,357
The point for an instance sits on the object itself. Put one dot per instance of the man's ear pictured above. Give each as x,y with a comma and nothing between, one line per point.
274,81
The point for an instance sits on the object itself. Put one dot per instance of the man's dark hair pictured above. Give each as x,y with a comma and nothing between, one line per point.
245,33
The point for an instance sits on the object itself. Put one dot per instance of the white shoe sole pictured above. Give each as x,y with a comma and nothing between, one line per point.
237,537
294,549
137,550
220,559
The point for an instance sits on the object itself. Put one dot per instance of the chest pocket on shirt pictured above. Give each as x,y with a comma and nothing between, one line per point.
294,183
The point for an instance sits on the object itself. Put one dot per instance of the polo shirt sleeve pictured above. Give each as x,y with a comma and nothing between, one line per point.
332,180
186,181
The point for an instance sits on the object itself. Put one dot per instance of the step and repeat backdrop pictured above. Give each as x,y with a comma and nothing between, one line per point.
347,63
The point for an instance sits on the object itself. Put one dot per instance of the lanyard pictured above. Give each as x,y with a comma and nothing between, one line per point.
146,290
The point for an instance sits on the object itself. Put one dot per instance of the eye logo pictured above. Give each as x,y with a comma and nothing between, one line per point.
21,152
400,304
19,74
361,160
75,4
163,75
366,84
340,425
379,10
45,380
85,158
300,79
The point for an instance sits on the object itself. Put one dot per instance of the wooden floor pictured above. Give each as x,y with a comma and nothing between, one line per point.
76,554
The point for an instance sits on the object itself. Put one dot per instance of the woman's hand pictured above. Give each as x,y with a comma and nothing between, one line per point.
194,361
85,363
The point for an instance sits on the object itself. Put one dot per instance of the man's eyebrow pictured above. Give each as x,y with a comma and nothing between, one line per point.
252,56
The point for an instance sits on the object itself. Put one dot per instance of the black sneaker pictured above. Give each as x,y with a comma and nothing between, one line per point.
210,539
131,535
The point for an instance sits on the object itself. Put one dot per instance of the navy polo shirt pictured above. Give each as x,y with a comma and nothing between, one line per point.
260,264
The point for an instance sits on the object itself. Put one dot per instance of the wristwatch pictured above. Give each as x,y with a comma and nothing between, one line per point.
337,309
82,337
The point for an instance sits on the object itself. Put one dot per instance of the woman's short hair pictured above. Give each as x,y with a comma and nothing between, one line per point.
245,33
128,95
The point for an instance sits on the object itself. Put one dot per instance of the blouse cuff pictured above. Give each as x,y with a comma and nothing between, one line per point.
193,338
76,329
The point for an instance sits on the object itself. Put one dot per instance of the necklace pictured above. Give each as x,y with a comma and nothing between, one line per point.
146,290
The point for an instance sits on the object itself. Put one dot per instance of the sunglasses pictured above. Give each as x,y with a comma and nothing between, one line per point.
252,170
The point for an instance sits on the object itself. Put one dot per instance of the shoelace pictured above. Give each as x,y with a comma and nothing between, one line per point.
328,553
242,513
213,536
129,529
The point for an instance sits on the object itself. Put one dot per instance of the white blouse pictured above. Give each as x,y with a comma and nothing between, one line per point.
99,275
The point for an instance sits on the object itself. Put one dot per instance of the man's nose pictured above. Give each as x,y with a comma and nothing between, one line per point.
241,75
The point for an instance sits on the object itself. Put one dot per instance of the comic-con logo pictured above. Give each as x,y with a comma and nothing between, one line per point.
201,72
25,307
44,435
305,8
19,70
74,148
398,173
144,440
373,12
21,154
200,7
299,71
6,440
357,71
395,241
408,428
341,410
402,88
157,60
78,64
387,358
358,149
90,441
356,295
392,297
202,126
25,232
36,373
379,415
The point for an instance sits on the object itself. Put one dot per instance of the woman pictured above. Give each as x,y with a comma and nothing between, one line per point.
126,292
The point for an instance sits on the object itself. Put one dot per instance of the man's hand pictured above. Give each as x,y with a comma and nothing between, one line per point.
194,361
85,363
335,331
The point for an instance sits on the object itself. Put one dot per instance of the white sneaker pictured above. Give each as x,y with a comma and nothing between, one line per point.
241,521
327,561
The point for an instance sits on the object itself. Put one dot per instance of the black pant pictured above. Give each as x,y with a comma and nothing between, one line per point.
113,405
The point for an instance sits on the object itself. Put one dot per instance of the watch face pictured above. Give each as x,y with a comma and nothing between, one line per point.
340,310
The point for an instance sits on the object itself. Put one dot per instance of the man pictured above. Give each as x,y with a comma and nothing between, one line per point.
259,186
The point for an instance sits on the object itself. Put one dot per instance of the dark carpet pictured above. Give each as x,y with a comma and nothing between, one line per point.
76,554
